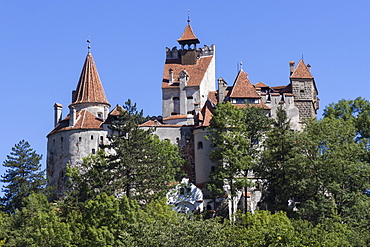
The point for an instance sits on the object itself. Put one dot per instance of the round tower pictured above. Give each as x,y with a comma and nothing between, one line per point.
81,132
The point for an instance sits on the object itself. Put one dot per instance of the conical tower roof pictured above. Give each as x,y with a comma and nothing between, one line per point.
89,88
188,36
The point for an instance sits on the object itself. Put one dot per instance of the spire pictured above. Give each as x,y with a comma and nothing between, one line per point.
188,37
89,88
301,71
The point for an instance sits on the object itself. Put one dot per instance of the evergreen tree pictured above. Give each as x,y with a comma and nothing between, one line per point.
23,176
142,166
275,167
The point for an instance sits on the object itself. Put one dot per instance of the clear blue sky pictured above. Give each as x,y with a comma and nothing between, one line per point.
43,47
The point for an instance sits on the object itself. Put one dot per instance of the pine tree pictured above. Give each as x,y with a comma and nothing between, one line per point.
23,176
275,167
142,166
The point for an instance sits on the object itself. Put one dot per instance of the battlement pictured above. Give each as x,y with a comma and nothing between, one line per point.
175,53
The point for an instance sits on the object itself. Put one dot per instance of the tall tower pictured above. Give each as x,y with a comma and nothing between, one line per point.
81,131
304,90
188,77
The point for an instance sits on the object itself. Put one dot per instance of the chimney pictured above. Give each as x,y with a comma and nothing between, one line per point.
57,113
72,116
170,71
221,89
74,94
291,64
184,77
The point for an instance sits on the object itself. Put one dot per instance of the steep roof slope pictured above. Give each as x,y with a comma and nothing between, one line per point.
243,88
188,36
89,88
301,71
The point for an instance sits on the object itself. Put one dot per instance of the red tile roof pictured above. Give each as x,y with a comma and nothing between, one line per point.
188,36
152,123
301,71
196,72
260,84
212,96
243,88
116,111
84,120
89,88
206,114
176,117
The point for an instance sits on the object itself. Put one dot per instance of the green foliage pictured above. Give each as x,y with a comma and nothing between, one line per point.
237,135
37,224
275,167
142,166
23,176
92,179
330,167
104,221
357,110
138,164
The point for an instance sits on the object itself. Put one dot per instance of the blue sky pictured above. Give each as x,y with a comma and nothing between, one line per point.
43,47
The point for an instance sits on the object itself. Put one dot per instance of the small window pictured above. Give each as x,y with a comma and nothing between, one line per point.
200,145
175,98
173,113
100,115
80,138
61,139
182,191
190,112
212,168
92,137
190,97
93,151
101,138
53,141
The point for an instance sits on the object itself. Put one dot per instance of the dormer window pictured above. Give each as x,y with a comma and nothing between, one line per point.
100,115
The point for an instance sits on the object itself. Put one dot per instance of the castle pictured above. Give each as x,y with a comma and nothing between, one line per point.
189,97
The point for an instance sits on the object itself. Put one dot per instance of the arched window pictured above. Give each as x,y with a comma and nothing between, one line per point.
200,145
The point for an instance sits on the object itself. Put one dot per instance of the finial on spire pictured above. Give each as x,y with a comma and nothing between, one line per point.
88,44
188,16
241,65
302,56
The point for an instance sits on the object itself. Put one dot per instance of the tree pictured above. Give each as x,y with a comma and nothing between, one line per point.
330,174
237,135
357,110
37,224
275,167
141,166
23,176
